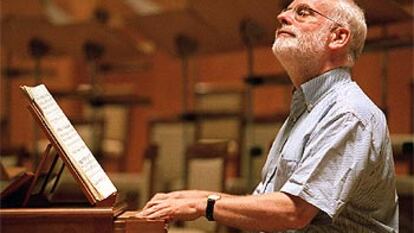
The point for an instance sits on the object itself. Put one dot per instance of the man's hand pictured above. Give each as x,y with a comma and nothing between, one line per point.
184,194
183,205
165,207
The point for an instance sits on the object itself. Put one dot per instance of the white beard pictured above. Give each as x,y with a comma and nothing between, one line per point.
303,53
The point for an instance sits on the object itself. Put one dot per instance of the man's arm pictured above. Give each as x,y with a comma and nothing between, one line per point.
269,212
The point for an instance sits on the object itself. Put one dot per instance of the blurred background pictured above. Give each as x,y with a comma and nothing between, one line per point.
144,81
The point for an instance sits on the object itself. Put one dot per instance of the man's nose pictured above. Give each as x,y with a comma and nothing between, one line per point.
285,18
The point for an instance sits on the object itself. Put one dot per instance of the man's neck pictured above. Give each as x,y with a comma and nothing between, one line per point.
301,74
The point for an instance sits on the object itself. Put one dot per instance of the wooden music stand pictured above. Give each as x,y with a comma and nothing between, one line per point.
107,217
107,202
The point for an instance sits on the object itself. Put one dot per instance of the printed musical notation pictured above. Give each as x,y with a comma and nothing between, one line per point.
71,142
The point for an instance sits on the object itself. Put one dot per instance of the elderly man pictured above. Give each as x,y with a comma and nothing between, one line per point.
330,168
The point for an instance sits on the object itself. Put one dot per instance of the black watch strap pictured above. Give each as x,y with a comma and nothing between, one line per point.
210,209
211,201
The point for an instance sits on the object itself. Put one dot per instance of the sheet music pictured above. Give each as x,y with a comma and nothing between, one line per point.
72,143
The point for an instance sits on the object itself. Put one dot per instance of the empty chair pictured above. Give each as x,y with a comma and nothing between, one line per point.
172,137
220,115
206,167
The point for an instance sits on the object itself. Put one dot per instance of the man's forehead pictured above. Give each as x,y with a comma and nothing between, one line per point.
311,3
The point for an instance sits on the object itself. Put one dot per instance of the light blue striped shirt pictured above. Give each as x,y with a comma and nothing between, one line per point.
334,151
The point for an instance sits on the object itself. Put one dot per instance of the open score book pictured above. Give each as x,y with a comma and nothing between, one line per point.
74,148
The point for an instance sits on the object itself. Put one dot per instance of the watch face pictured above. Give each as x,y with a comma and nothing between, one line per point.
214,197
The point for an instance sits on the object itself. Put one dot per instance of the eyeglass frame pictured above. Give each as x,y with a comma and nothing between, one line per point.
308,8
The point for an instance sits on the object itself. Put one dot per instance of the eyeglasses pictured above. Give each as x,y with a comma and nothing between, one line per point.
303,13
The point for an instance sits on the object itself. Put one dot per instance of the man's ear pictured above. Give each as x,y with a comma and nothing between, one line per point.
339,38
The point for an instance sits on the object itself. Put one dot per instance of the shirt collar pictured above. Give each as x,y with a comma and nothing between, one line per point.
317,87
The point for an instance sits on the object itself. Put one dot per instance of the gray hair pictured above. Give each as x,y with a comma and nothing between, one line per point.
351,16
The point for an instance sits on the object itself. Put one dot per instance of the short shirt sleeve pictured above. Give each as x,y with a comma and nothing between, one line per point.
331,164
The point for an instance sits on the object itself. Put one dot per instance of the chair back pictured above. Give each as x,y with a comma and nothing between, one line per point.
205,165
172,138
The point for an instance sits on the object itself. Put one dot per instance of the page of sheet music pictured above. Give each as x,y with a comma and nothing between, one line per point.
72,143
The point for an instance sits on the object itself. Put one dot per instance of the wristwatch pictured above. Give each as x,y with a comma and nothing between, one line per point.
211,200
